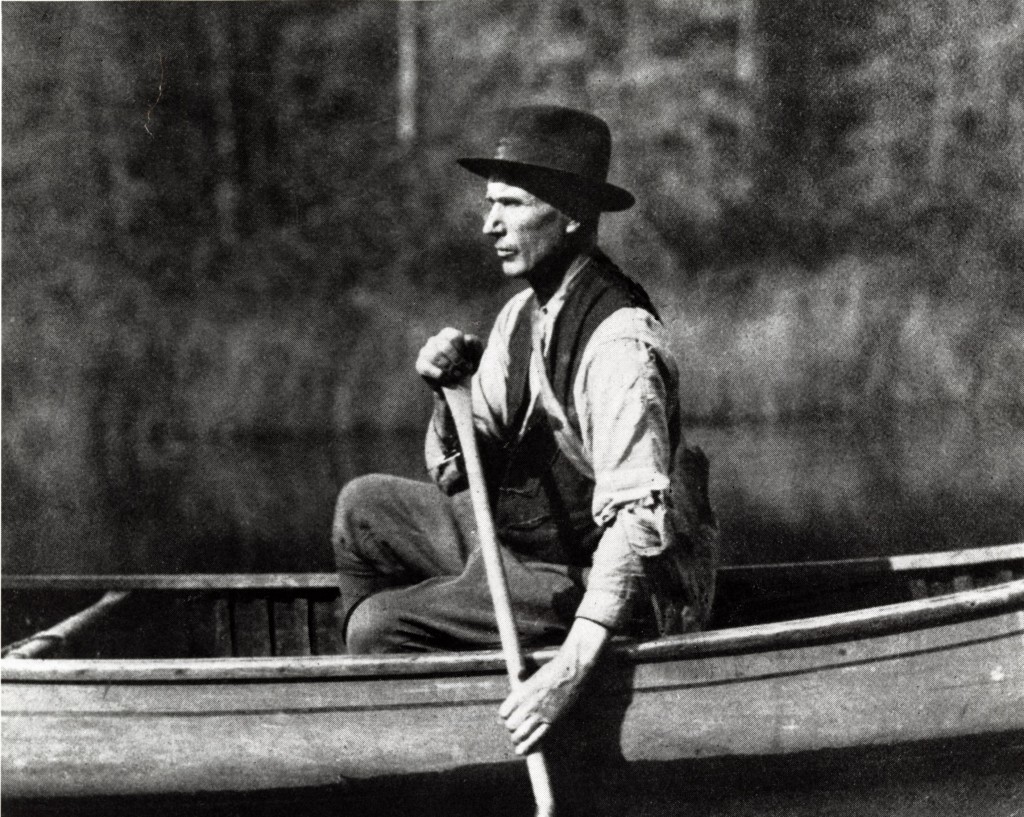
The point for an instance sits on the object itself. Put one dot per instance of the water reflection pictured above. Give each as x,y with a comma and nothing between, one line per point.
820,491
783,493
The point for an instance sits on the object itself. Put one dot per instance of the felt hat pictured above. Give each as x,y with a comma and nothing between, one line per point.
559,154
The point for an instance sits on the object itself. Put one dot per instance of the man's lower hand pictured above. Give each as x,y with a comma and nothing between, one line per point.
539,702
551,691
448,357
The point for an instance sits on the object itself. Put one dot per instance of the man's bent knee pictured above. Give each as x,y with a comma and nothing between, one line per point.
376,625
353,500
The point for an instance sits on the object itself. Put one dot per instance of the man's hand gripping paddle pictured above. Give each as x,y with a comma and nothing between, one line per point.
460,403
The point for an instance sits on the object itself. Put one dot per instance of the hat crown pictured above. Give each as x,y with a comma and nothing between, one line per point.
557,138
560,154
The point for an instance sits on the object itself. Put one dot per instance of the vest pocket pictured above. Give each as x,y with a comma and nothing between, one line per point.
522,503
522,506
542,506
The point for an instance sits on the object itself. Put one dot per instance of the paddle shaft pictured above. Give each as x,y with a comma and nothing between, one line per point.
460,403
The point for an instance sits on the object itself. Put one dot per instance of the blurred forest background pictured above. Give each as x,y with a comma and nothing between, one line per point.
227,225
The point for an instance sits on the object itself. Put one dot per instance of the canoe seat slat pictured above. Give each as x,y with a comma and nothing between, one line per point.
222,643
291,625
939,588
324,628
198,623
918,589
251,629
248,623
989,577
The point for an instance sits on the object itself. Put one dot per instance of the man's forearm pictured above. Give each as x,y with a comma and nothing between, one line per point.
441,450
579,654
616,577
443,425
581,651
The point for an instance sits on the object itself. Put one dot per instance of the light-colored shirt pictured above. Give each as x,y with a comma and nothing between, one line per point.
623,401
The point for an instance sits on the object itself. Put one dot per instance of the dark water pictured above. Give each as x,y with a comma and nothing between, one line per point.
783,493
830,491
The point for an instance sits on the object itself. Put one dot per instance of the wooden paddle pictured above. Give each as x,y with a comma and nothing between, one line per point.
460,402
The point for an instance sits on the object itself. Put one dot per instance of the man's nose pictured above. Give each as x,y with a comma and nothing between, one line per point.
492,223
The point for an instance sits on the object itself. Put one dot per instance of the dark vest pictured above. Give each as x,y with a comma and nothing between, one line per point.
542,504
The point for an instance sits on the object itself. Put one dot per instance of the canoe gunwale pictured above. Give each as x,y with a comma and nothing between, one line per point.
837,627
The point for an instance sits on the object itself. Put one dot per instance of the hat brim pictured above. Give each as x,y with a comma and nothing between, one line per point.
606,197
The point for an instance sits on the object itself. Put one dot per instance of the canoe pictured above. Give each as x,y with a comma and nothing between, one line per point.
163,685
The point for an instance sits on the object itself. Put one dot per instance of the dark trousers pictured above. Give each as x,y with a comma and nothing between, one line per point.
412,577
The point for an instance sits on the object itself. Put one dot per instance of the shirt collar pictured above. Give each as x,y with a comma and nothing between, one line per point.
570,281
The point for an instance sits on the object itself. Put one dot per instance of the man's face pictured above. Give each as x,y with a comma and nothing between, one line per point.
525,229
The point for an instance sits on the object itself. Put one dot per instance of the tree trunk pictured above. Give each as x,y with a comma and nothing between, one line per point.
225,139
408,73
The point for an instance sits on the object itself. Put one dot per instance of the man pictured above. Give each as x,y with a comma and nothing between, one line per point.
576,409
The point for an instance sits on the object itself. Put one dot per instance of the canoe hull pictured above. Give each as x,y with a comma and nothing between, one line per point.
251,730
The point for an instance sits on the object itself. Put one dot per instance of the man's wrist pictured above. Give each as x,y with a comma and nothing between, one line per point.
444,428
586,641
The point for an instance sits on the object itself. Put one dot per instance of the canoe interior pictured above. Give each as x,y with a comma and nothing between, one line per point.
178,624
750,596
193,617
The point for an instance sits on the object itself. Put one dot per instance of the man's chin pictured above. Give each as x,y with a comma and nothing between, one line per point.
512,269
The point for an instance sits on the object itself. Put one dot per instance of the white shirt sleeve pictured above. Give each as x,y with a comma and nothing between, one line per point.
624,396
625,392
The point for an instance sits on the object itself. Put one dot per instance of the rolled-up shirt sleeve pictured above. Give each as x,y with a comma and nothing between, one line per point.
614,581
